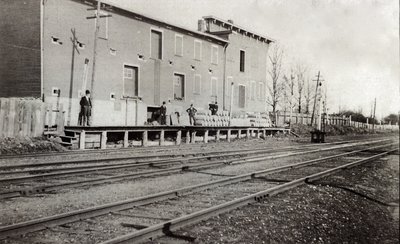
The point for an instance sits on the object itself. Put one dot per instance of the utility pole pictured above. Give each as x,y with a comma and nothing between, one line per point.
97,16
291,100
231,105
318,80
373,118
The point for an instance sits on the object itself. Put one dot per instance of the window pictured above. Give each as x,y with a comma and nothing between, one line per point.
242,60
197,49
197,84
214,54
131,81
252,90
260,91
242,96
179,87
178,45
156,45
214,86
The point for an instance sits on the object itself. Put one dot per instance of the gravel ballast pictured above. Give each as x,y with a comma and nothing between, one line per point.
315,213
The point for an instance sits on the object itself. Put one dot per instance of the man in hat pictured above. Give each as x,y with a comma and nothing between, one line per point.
86,109
191,111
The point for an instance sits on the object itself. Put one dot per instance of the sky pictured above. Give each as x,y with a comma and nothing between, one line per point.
354,43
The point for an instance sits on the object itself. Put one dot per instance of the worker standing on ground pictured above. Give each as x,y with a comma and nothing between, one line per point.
86,109
163,113
192,112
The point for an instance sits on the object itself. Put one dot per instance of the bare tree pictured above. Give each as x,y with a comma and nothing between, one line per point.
300,77
275,87
289,89
308,95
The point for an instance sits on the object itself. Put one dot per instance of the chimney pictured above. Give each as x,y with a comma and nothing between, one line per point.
230,21
201,25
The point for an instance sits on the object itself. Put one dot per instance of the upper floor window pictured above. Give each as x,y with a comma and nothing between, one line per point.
252,90
178,45
242,60
260,91
197,49
156,44
214,54
197,84
214,86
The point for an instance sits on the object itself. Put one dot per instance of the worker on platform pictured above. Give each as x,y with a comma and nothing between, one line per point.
86,109
163,114
192,112
213,108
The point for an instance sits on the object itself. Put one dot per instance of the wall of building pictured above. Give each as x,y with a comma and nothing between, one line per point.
255,73
20,49
129,38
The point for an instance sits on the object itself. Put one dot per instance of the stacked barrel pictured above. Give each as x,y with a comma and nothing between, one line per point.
204,118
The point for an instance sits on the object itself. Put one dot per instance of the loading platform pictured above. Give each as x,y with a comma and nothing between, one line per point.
80,137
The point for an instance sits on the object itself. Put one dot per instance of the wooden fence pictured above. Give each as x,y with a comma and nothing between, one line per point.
29,117
283,118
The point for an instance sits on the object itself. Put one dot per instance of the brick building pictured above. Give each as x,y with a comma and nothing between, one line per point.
140,61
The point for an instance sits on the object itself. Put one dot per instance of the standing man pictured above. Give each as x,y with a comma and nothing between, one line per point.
163,113
191,111
86,109
213,108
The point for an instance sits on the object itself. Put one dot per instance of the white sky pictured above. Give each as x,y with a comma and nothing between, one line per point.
355,44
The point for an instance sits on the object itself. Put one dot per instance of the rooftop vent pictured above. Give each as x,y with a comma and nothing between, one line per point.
230,21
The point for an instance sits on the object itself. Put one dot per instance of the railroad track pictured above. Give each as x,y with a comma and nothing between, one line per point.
138,219
114,151
139,152
146,168
51,159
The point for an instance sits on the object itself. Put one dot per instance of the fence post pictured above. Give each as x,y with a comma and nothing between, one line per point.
82,139
60,119
144,139
103,140
126,139
162,138
205,138
178,137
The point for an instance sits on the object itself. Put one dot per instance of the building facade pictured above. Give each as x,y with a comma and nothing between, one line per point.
135,63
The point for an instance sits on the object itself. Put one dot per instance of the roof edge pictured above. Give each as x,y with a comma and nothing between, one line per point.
225,22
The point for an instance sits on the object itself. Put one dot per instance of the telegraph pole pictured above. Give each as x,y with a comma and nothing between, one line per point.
291,100
318,80
373,118
97,16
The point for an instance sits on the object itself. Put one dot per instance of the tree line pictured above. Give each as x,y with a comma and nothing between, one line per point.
292,87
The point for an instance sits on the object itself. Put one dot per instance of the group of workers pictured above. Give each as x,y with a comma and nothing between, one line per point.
86,107
191,112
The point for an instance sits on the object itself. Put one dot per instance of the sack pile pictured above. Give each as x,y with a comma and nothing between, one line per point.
258,120
204,118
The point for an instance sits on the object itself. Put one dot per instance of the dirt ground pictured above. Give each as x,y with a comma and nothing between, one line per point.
21,145
310,214
356,206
